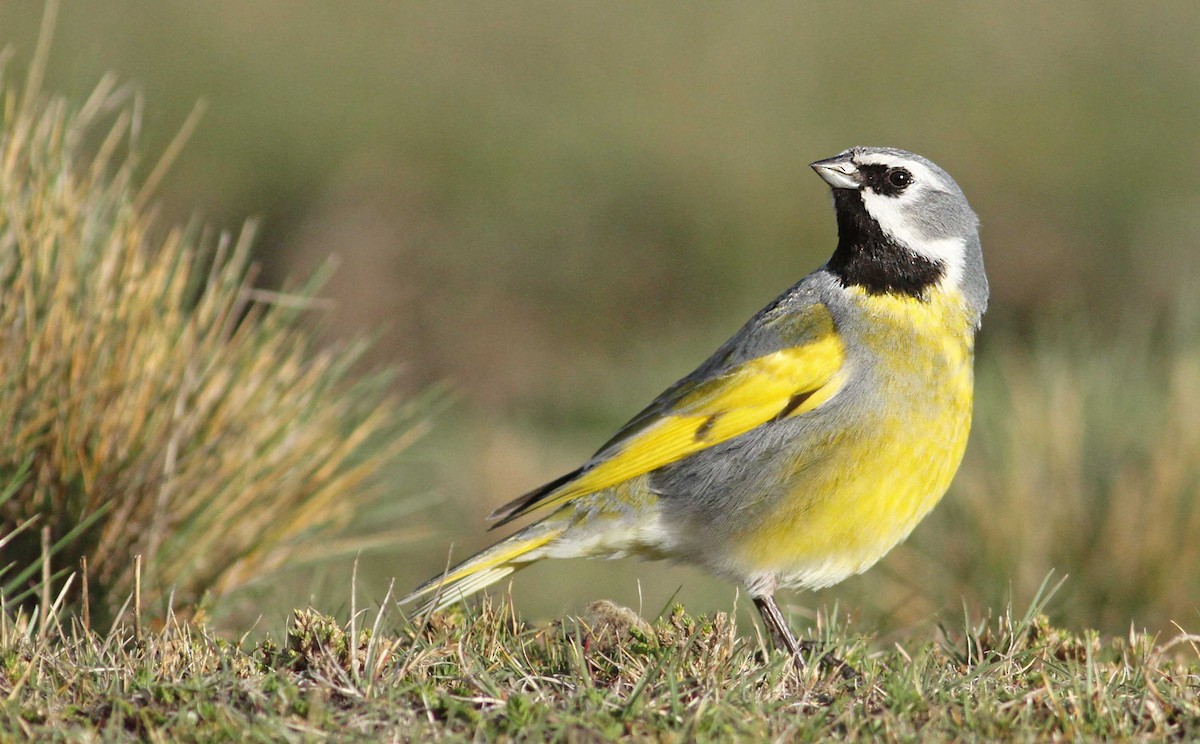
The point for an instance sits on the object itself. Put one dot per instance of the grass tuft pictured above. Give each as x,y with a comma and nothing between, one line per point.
156,403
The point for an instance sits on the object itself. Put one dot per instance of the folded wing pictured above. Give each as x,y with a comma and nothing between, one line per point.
726,397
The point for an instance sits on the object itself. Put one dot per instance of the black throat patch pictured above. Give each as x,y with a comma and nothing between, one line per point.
866,257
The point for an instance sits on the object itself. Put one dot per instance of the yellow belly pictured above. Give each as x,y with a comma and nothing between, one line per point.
880,477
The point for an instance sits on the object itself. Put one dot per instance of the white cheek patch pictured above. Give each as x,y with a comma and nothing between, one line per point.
890,212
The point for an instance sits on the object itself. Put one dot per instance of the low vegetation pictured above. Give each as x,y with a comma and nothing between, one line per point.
155,403
607,676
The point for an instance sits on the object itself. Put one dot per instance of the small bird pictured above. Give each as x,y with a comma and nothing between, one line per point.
810,443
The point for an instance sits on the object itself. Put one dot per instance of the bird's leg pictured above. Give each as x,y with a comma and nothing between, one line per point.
782,638
777,628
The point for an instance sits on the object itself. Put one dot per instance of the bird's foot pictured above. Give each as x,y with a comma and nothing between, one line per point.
828,662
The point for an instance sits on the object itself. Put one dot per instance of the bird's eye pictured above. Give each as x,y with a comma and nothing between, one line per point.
898,178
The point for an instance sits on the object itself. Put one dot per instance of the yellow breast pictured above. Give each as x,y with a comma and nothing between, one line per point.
888,466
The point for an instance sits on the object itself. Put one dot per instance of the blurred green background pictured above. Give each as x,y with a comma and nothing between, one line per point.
555,209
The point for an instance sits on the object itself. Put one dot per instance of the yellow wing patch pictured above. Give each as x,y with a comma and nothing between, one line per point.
784,383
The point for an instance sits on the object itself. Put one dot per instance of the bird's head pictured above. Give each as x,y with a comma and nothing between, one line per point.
904,225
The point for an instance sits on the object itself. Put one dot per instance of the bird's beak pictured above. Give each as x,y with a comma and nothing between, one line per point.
840,172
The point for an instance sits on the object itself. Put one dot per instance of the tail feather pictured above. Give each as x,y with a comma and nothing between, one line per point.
484,568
